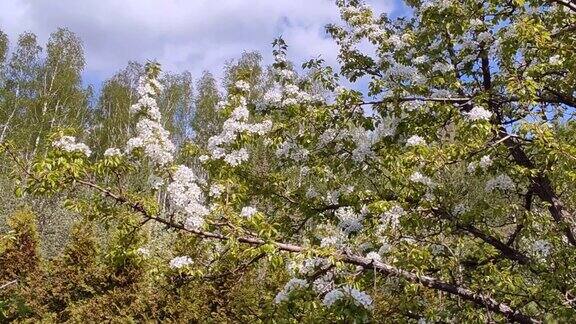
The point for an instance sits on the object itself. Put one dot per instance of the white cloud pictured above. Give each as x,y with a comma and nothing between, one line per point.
189,35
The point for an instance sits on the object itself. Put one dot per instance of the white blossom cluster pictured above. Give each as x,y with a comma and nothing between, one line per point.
360,298
442,67
397,70
290,286
290,149
332,240
216,190
311,265
285,92
155,182
478,113
502,182
460,209
151,136
331,135
415,140
484,163
332,296
242,85
484,37
112,152
440,5
555,60
324,283
420,178
392,216
180,262
361,19
364,139
350,221
541,247
236,123
374,256
187,196
332,197
248,211
143,251
68,144
148,89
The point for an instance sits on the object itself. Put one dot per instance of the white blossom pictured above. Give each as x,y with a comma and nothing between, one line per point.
421,59
179,262
290,149
324,283
474,23
350,221
436,249
542,248
311,265
329,241
290,286
415,140
236,124
311,193
236,157
364,139
185,195
485,162
112,152
332,197
155,182
248,211
460,209
151,136
502,182
374,256
484,37
442,67
193,222
478,113
360,298
143,251
68,144
392,216
242,85
472,167
273,96
555,60
332,296
420,178
216,190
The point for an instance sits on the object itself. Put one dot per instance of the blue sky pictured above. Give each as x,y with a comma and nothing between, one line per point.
193,35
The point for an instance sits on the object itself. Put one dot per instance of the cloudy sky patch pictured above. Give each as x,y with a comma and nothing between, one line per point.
193,35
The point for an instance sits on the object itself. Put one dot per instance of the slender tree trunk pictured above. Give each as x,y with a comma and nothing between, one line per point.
7,124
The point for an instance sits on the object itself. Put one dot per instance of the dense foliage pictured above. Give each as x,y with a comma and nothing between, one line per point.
442,193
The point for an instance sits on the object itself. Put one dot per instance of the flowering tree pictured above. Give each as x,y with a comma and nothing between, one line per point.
444,192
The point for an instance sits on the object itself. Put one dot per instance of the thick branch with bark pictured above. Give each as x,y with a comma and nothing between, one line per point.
570,4
540,183
543,189
506,250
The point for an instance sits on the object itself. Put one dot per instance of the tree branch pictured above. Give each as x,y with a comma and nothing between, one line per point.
570,4
367,264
